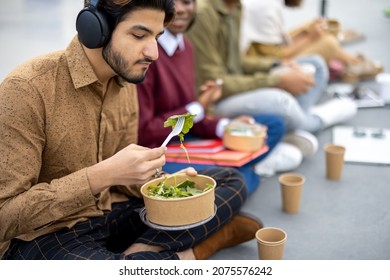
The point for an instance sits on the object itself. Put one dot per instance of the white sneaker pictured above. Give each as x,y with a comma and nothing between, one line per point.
335,111
284,157
306,142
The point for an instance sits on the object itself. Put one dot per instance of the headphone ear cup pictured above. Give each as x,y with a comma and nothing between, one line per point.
92,28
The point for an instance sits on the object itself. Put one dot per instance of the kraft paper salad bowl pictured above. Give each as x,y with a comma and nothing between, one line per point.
244,137
165,207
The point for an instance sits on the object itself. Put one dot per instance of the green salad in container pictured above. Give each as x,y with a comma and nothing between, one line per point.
184,189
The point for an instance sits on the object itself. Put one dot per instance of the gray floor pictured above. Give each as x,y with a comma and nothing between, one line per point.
348,219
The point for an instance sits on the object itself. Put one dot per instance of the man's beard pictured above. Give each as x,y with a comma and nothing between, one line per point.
119,65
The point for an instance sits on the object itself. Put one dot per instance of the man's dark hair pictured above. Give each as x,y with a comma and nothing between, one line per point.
116,9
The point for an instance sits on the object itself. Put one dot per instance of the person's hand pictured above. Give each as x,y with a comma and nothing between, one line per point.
295,81
245,119
323,22
133,165
317,29
289,63
248,120
209,93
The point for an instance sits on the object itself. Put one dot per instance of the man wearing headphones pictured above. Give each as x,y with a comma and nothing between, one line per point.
70,170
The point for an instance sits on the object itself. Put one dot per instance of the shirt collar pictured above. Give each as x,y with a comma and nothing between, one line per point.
170,42
80,68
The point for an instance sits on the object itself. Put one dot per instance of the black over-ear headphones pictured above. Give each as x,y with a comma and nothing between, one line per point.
92,26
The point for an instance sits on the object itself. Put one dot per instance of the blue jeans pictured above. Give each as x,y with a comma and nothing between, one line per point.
276,130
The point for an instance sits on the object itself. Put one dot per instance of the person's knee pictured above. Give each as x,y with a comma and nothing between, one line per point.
329,45
237,182
321,68
228,177
276,127
330,41
277,130
274,122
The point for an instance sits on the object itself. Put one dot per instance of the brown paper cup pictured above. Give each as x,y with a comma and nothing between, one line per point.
270,243
333,27
334,157
291,186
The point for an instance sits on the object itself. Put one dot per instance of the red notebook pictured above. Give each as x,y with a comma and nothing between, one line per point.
224,157
198,146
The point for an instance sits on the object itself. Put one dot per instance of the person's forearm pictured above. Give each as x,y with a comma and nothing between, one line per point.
235,84
42,204
99,177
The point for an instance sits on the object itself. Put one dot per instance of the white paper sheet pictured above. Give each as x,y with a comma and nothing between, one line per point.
369,145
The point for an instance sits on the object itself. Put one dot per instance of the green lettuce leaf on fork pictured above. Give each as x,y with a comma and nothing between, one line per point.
188,124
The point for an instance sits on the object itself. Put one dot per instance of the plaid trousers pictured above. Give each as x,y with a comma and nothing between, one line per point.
106,237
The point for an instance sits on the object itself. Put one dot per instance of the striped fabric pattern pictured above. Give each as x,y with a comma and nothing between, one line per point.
106,237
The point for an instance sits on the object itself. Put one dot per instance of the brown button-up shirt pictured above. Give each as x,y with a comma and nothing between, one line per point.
55,120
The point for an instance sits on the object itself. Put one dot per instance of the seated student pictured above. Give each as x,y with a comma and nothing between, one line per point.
169,89
70,170
264,34
250,87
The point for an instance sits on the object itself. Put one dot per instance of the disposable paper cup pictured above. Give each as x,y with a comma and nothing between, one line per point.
383,79
334,157
333,27
270,243
309,70
291,186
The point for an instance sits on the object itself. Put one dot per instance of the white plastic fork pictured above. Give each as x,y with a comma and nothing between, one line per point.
175,131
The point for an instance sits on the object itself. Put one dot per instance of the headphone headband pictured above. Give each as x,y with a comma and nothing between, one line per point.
94,3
